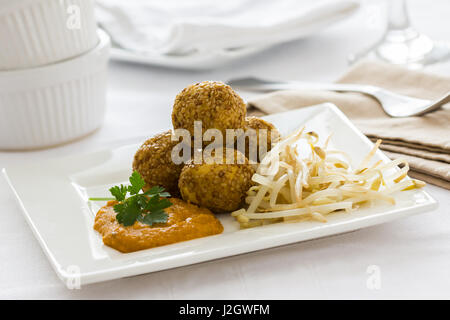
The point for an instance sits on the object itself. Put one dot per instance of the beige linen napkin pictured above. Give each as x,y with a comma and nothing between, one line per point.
424,141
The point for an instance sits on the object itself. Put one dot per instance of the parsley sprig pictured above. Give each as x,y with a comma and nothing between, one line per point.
146,207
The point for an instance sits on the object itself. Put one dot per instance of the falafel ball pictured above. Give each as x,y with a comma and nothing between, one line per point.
154,163
220,187
214,103
256,124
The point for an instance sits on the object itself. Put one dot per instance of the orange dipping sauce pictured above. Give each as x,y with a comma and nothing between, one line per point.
185,222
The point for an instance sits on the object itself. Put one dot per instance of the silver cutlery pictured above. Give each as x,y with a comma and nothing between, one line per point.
395,105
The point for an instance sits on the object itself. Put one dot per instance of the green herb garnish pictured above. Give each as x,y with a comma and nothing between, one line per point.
146,207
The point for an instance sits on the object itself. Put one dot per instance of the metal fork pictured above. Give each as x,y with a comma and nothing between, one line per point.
395,105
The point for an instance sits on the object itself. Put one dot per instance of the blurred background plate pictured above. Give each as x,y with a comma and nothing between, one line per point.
196,61
198,34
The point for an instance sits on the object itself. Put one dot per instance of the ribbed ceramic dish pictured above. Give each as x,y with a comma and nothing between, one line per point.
50,105
40,32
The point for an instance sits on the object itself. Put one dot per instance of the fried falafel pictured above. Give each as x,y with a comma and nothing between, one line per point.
214,103
154,163
271,137
220,187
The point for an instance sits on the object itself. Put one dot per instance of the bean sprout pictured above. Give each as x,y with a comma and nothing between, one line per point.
291,187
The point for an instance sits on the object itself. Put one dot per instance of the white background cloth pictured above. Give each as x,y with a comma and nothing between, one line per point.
180,27
412,254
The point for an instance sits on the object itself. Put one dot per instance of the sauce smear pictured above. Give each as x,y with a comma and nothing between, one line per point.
185,222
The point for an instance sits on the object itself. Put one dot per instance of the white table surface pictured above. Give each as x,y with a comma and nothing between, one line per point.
412,254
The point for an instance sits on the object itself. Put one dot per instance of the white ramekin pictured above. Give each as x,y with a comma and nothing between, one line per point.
54,104
38,32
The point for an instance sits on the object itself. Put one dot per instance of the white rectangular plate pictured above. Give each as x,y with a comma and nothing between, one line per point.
53,196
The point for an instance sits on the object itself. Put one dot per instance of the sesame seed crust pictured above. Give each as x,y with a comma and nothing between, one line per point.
218,187
214,103
256,123
154,163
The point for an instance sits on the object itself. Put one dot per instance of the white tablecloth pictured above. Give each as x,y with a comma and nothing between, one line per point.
410,257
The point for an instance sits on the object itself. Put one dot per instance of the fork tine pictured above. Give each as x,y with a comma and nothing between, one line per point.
436,105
